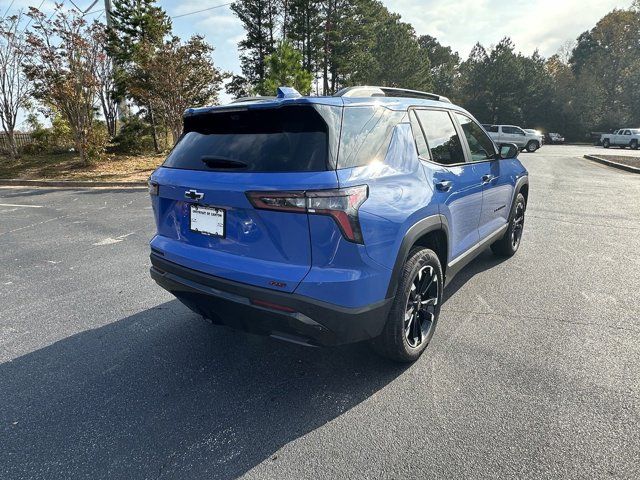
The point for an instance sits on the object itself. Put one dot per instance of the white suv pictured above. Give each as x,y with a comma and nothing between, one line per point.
512,134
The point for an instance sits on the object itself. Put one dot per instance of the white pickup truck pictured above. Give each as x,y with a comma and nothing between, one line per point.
512,134
625,137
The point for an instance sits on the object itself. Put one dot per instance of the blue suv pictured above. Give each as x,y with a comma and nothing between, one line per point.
328,220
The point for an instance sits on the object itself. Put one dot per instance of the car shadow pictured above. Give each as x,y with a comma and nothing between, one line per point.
162,393
484,261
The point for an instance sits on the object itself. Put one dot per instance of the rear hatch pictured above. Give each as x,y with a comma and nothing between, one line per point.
205,220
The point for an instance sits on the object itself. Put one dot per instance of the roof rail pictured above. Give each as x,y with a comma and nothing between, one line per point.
371,91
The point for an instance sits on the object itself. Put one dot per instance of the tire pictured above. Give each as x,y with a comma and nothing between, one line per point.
532,146
402,339
606,143
633,144
508,245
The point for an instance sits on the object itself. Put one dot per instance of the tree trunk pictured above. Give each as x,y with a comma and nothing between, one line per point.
176,131
325,60
13,147
82,150
154,129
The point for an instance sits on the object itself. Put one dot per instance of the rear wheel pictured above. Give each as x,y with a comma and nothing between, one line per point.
508,245
416,307
606,143
634,144
532,146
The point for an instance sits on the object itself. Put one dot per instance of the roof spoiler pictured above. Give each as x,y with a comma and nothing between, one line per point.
370,91
251,99
281,92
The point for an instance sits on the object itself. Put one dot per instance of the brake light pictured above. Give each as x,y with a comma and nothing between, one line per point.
341,204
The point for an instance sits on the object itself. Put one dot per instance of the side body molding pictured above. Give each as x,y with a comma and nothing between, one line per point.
426,225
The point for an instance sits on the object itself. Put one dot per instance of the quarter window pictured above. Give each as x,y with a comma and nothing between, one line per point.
366,134
421,143
480,144
442,137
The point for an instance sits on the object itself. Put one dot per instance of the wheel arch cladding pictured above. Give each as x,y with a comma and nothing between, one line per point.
436,240
524,190
430,232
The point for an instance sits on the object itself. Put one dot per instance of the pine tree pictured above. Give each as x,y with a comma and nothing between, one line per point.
444,64
284,67
138,29
303,22
259,18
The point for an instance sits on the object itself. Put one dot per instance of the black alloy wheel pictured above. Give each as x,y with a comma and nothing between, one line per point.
518,225
420,311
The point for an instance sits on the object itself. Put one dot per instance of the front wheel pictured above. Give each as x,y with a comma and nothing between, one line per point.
606,143
508,245
415,310
532,146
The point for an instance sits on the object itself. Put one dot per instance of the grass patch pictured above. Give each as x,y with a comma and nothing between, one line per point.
67,166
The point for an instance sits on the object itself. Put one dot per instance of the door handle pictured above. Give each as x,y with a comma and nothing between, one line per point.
487,178
444,185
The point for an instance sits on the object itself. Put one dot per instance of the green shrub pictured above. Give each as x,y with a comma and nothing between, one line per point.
134,136
55,139
98,139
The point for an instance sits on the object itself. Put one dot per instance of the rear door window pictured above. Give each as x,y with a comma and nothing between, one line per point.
480,144
286,139
442,137
366,134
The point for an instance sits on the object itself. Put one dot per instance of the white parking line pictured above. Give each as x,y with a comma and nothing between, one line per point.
25,206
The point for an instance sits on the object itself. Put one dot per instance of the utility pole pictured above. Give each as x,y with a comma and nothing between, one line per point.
107,11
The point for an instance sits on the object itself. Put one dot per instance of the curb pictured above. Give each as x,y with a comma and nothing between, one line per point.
610,163
68,183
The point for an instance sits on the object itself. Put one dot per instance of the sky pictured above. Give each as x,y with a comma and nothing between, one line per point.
545,25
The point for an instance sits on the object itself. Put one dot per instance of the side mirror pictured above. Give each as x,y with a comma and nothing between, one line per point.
507,150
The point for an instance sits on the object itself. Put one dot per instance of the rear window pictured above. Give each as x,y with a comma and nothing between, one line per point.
366,134
286,139
513,130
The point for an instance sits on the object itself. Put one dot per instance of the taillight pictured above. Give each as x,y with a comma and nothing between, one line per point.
341,204
282,201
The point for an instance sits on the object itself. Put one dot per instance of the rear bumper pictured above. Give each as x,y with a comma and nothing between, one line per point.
234,304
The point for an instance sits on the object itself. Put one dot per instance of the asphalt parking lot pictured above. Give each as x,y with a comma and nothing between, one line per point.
534,371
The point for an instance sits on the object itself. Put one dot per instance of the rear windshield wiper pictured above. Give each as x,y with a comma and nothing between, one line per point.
222,163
